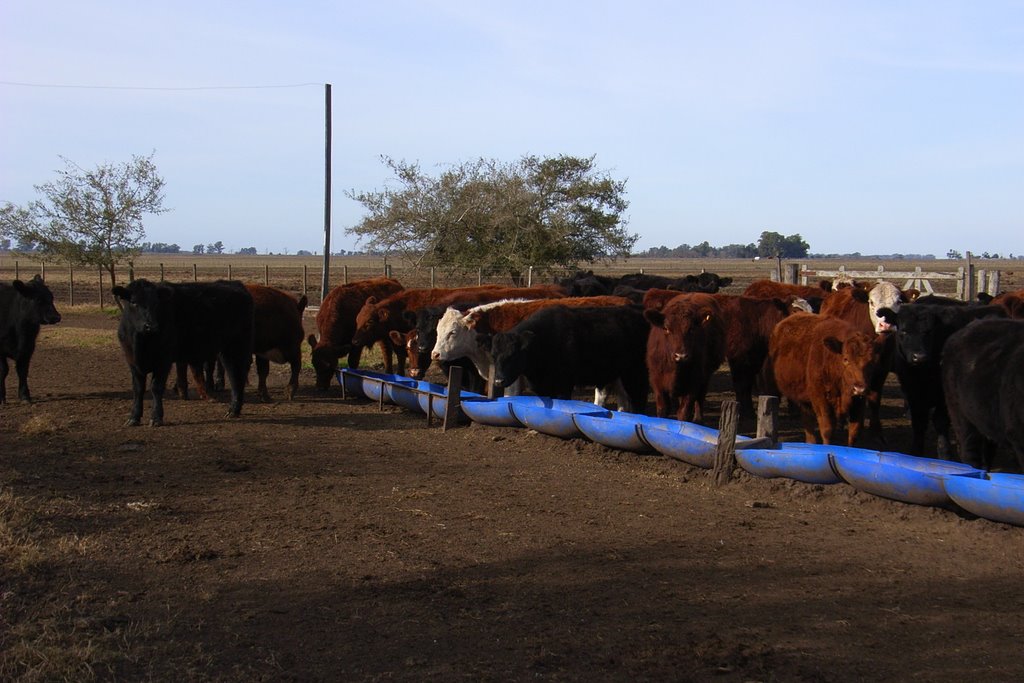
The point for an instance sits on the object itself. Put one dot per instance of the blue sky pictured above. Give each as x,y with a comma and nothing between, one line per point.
876,127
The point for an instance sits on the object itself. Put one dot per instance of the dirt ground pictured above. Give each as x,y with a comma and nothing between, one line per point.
324,539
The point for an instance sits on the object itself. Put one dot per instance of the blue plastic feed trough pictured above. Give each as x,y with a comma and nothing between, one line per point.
999,497
614,430
801,461
681,443
906,478
404,393
553,416
493,412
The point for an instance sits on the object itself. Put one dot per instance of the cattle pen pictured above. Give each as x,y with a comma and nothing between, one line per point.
77,285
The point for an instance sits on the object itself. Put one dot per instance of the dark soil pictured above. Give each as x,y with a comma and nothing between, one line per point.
325,539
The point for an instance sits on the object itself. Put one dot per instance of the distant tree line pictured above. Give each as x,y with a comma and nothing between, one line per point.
769,245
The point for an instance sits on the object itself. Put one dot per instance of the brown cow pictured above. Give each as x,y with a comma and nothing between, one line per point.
1013,302
823,365
336,323
749,322
685,347
379,317
769,289
277,335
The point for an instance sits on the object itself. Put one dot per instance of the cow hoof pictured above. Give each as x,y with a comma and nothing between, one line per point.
132,422
156,423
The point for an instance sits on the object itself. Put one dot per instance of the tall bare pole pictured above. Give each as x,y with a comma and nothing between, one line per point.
325,282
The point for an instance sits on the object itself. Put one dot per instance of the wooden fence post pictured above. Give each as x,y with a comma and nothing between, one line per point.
479,276
344,273
529,276
229,271
305,268
99,269
71,284
452,406
42,270
17,276
161,272
725,453
266,274
431,277
195,273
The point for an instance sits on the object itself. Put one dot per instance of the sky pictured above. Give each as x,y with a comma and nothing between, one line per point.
865,126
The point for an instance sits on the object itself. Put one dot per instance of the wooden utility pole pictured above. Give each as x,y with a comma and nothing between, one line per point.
325,282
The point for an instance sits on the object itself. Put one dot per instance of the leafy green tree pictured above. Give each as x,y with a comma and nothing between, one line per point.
198,249
215,248
92,217
247,251
773,244
503,217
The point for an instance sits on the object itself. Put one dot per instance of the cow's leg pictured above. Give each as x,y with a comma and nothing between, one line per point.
855,420
4,369
181,380
662,402
199,377
743,386
919,425
293,381
236,366
826,425
940,418
21,367
159,386
138,391
215,375
262,370
807,419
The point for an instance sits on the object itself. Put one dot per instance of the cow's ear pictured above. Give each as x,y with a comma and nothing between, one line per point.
371,300
397,338
860,295
654,317
37,279
21,287
470,320
888,315
908,295
826,285
724,282
833,344
120,292
383,314
985,298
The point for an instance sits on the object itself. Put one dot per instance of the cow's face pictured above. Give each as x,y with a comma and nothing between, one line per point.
884,295
858,356
509,352
455,339
917,333
407,343
325,363
687,323
40,309
145,306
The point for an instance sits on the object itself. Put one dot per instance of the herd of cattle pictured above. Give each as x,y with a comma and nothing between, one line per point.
826,349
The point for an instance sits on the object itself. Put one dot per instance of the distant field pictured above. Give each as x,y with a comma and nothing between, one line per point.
300,274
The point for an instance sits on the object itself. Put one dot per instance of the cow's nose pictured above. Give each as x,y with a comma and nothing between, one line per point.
435,355
917,357
680,357
858,389
414,373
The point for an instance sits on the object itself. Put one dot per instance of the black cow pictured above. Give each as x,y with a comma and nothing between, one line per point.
921,333
23,308
190,324
588,284
983,377
558,348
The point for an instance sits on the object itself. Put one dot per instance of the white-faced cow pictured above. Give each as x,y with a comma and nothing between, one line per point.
24,306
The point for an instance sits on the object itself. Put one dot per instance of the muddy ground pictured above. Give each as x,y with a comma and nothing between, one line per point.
323,539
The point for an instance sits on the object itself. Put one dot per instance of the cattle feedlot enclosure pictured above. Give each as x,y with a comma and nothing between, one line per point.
330,538
301,274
